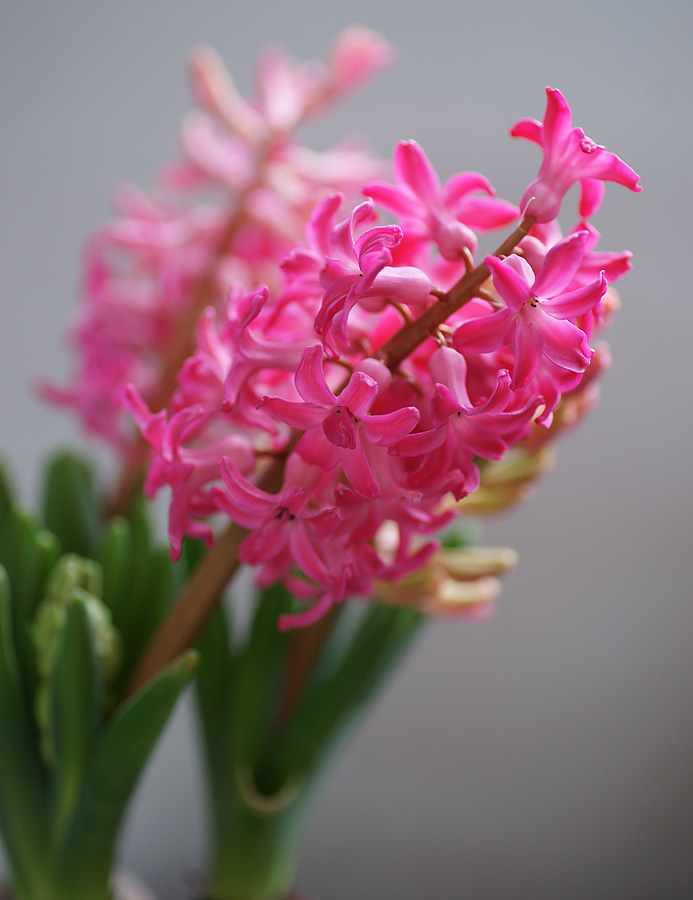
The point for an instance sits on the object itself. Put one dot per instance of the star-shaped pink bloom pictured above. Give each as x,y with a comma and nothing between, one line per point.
569,157
446,214
283,528
339,428
535,320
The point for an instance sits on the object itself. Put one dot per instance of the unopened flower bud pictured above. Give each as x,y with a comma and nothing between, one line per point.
517,467
455,583
80,579
472,563
464,599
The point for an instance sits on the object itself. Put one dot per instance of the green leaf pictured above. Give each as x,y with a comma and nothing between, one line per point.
116,764
22,801
259,677
6,495
70,507
76,697
330,706
215,685
28,555
138,585
42,559
17,539
116,559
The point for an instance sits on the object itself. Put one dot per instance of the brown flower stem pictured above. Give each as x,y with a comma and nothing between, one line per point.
192,609
408,338
199,596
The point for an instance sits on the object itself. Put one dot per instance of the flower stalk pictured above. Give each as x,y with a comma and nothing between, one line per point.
412,334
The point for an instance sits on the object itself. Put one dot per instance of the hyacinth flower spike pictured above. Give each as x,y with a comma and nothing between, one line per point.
535,319
569,157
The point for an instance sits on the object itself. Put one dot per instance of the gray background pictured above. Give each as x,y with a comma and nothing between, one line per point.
547,752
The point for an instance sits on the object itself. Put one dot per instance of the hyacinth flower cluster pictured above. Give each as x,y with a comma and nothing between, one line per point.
225,214
355,366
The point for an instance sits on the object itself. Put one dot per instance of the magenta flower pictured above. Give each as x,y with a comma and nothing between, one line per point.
287,91
445,214
569,157
338,429
535,320
285,532
357,269
283,528
184,466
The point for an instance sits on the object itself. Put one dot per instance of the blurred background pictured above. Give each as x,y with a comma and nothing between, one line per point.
547,751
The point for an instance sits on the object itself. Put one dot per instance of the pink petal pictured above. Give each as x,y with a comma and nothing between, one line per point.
556,130
449,368
578,302
527,347
357,54
379,240
358,470
604,165
486,333
385,430
509,283
475,437
421,442
561,263
314,612
591,195
411,166
565,344
339,429
306,555
393,199
310,378
359,394
486,213
530,129
243,500
293,413
321,224
458,186
404,284
314,448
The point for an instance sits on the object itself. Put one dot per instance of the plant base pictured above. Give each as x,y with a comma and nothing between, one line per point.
125,887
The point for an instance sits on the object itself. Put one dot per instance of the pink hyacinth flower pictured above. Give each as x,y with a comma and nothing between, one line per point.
535,319
357,268
338,429
184,467
569,157
446,214
357,54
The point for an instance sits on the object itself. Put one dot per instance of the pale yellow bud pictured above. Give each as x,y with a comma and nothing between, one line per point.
472,563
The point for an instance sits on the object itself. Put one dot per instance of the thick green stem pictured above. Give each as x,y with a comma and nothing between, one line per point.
257,858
